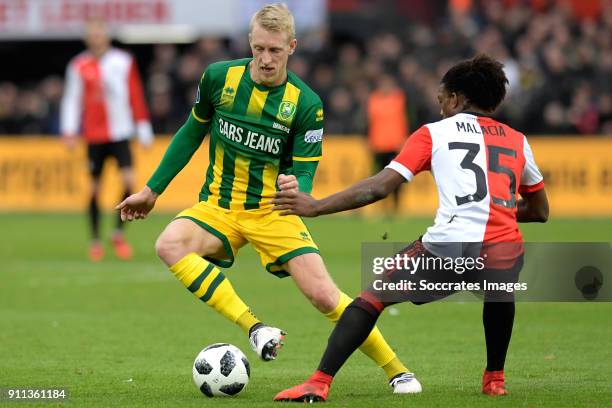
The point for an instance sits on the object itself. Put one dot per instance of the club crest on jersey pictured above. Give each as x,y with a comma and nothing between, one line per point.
286,110
227,95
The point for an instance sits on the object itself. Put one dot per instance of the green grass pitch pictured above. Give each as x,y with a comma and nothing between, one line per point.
126,333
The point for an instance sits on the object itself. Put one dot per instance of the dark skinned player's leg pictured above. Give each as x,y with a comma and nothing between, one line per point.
498,319
352,329
350,332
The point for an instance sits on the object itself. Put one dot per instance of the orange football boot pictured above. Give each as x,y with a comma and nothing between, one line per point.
123,250
315,389
493,383
96,251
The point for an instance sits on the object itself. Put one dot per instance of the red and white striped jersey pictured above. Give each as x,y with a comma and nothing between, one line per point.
103,99
479,166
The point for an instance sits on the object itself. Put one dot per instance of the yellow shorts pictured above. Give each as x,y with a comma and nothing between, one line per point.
276,238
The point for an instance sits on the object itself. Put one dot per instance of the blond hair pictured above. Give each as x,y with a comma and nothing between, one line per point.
275,17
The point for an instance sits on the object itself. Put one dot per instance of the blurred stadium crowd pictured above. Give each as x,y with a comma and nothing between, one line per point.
559,66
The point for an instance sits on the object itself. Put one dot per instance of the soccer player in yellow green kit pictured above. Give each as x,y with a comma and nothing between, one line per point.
264,123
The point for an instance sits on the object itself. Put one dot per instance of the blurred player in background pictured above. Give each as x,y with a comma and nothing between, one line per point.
387,125
104,102
479,166
263,122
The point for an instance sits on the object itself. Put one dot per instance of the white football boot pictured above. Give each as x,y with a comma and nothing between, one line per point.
405,383
266,341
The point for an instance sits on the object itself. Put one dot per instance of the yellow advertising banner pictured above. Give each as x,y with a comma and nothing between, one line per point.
40,174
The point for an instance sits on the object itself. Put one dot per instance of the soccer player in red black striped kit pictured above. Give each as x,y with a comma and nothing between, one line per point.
479,166
104,101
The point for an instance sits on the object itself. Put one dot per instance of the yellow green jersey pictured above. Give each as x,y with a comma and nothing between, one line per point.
256,132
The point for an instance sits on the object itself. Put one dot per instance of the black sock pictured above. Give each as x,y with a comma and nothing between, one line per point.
120,223
94,217
350,332
498,319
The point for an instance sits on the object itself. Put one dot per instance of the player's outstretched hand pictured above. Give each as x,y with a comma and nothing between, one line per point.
292,202
137,206
286,183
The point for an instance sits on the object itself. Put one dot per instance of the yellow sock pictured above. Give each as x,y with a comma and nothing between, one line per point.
375,346
247,320
395,367
208,283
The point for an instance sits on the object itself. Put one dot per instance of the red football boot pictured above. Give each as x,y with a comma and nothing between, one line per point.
315,389
123,250
493,383
96,251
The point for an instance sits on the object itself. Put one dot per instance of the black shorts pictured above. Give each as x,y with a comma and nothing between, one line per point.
98,153
434,278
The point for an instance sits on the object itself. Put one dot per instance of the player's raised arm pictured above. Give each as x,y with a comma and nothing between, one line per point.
182,147
414,158
365,192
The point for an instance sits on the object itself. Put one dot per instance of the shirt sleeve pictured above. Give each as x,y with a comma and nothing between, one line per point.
415,155
137,99
203,108
139,106
531,177
308,136
187,140
182,147
70,111
304,173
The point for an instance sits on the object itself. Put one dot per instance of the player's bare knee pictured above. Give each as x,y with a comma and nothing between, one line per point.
170,250
309,273
327,304
324,299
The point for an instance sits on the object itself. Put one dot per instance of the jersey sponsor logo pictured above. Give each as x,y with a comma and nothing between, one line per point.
286,110
281,127
253,140
319,115
313,136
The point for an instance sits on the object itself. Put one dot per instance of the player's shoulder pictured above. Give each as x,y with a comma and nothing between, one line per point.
221,67
513,138
119,53
509,130
119,57
80,59
308,97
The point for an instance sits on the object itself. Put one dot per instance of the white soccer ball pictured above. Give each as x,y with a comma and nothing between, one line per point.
221,369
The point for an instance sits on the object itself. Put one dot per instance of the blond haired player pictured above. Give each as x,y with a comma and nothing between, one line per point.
264,122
